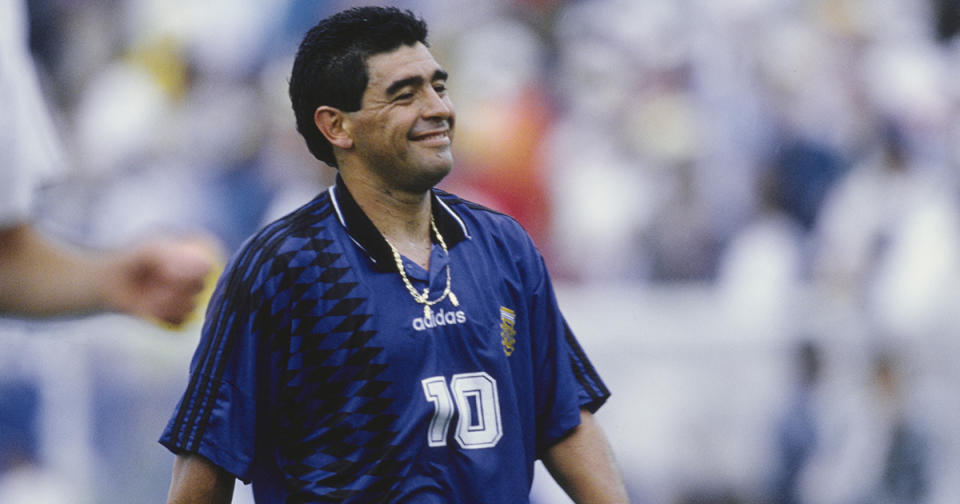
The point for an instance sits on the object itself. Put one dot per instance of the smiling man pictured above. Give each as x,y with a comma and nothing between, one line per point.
386,342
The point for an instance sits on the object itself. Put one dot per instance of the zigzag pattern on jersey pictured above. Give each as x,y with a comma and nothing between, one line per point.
335,435
223,326
334,431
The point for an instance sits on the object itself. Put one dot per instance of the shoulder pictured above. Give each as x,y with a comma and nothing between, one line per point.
485,223
499,239
283,241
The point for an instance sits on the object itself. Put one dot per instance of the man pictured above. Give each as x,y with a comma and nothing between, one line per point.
157,280
387,342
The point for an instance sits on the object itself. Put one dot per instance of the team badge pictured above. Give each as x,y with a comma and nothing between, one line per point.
508,332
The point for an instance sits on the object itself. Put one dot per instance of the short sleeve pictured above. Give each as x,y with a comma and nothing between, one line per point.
217,417
566,379
29,148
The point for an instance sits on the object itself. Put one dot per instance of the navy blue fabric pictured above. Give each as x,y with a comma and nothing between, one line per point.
310,376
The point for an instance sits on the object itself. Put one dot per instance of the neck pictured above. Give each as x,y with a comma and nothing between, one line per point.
403,218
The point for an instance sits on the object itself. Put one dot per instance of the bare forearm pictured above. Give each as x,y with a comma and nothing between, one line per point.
197,481
156,280
583,465
41,278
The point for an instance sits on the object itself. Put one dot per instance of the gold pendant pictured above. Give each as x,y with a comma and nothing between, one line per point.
427,312
453,299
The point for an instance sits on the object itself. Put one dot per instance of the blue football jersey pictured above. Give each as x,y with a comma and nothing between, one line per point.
320,379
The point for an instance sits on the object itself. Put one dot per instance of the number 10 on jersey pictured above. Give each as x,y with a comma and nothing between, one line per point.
478,425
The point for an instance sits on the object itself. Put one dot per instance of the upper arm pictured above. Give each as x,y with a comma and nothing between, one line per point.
582,464
196,480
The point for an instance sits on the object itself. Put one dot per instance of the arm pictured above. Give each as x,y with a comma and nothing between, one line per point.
583,465
196,480
159,279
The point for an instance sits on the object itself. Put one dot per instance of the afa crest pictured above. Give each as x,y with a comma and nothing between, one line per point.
508,332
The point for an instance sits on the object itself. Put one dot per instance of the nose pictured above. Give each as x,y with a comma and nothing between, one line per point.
437,106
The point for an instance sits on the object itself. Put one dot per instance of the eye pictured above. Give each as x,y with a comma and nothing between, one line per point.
440,88
404,97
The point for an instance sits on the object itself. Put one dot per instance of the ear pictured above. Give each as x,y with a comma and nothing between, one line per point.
330,121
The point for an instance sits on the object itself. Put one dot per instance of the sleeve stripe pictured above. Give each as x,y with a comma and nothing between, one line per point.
219,364
179,437
210,367
584,371
196,389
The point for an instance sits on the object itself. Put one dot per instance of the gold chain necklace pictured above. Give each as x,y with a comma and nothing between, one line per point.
424,297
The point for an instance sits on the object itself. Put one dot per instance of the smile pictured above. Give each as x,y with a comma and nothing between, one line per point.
440,137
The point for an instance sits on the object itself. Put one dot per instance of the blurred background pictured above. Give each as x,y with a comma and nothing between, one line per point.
749,208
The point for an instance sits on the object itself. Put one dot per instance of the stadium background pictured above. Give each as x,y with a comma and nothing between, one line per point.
713,183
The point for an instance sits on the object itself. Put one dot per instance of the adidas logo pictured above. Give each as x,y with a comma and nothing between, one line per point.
440,318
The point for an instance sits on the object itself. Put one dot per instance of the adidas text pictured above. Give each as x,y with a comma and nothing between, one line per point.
440,318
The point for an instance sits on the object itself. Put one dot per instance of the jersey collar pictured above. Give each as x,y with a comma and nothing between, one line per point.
366,236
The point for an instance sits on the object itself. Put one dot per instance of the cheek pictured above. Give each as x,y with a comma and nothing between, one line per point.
386,135
452,120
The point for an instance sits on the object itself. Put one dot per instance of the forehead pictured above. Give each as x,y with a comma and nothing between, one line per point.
402,63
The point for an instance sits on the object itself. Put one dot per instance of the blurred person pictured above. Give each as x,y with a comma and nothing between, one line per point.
905,477
797,428
874,447
762,268
607,195
887,241
681,237
387,341
806,169
158,279
23,478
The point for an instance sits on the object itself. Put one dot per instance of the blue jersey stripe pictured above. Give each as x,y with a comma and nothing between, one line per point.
216,351
197,396
272,242
585,373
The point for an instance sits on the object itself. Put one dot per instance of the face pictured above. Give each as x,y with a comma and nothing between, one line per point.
404,128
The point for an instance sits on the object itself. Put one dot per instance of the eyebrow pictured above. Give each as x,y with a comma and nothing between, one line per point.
414,81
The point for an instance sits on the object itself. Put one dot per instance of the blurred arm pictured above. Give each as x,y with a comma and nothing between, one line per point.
40,278
196,480
583,465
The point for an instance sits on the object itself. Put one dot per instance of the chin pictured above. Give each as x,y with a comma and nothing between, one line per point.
434,177
430,176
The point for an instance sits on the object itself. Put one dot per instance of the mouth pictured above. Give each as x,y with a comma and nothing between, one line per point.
434,137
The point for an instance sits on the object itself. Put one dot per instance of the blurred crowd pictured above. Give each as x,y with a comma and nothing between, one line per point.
645,141
797,159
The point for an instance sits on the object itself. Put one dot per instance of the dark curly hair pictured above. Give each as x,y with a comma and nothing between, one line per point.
331,64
